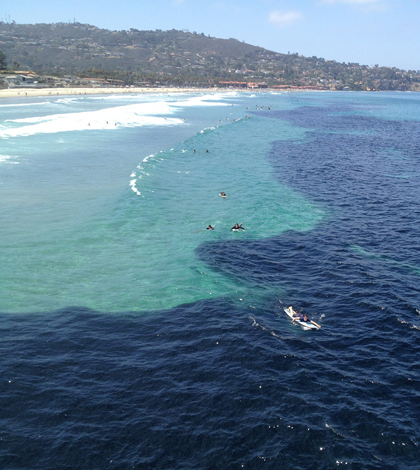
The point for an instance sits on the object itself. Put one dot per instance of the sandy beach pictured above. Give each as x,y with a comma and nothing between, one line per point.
24,92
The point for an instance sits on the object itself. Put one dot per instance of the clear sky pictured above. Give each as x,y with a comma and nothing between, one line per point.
384,32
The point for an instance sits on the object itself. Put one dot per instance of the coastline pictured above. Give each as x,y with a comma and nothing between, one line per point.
36,92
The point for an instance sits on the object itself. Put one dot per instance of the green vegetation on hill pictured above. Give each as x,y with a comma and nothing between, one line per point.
2,60
180,58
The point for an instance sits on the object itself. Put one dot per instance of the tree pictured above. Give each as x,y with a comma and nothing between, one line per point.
2,60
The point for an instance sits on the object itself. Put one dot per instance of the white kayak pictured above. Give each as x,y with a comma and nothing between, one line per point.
306,325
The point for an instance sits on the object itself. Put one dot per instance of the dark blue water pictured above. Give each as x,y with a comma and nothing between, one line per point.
223,384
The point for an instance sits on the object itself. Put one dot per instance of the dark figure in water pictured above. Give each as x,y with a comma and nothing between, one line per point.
237,227
210,227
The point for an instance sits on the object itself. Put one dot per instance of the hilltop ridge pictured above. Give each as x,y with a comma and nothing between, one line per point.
181,58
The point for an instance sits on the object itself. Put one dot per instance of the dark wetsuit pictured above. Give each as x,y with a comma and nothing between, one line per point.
302,318
239,227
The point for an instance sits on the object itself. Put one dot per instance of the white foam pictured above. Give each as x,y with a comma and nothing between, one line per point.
143,114
66,100
145,159
205,100
23,104
133,186
412,325
130,115
8,159
125,97
143,172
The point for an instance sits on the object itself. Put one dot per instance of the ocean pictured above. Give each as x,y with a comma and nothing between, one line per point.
132,337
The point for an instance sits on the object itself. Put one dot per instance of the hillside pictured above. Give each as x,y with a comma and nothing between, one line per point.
180,58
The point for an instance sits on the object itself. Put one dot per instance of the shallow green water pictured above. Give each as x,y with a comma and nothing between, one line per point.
134,249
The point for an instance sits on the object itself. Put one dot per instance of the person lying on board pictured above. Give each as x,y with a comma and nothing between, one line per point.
304,318
223,194
210,227
237,227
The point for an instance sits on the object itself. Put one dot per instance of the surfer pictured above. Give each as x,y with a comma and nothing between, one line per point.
304,318
223,194
238,227
210,227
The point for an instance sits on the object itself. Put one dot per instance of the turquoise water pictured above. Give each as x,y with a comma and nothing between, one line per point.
91,218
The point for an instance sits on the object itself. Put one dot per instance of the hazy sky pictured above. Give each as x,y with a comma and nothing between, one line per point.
384,32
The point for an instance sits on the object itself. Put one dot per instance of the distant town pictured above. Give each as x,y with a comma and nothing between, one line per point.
74,54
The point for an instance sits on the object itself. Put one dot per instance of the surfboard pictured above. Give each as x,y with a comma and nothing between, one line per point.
303,324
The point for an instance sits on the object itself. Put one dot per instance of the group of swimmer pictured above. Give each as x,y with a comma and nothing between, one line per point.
302,318
235,228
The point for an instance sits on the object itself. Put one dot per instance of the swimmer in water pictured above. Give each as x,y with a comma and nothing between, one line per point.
238,227
210,227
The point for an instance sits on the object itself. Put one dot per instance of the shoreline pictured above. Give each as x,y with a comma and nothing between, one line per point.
37,92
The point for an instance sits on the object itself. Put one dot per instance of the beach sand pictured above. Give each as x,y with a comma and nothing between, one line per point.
24,92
